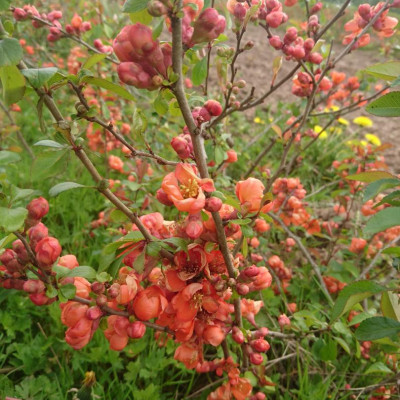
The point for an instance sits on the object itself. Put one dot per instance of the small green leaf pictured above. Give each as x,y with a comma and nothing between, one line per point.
19,194
377,328
13,84
390,305
158,29
138,264
7,240
12,219
82,271
384,219
343,344
118,216
68,291
388,71
108,85
93,60
132,6
48,163
37,77
10,52
371,176
50,143
387,105
199,72
8,157
160,104
62,187
142,16
353,294
131,237
379,186
378,368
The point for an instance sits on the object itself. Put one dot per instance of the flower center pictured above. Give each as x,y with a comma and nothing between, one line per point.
191,189
197,300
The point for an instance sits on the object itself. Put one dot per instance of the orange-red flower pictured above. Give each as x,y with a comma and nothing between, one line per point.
149,303
250,193
185,189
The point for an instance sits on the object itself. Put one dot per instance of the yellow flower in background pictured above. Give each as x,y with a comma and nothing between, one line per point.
331,108
373,139
258,120
343,121
363,121
319,131
363,143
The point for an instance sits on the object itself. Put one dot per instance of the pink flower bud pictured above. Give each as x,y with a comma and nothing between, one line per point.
163,198
183,148
136,330
194,227
275,19
69,29
98,287
298,52
251,271
290,35
239,12
208,26
200,115
38,208
54,15
261,332
242,289
260,345
276,42
315,58
33,286
114,290
133,74
213,107
271,4
237,335
290,3
94,313
101,300
10,260
365,11
86,26
19,14
316,8
76,21
47,251
21,251
213,204
68,261
283,320
260,396
156,8
40,299
213,334
256,358
308,44
232,156
37,233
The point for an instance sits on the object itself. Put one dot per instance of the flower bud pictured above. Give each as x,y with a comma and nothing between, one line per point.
38,208
47,251
213,107
33,286
274,19
298,52
213,204
283,320
69,261
136,330
308,44
249,45
208,26
261,332
239,12
256,358
242,289
251,271
237,335
94,313
213,334
365,11
20,14
182,147
276,42
76,21
101,300
21,251
232,156
315,58
316,8
156,8
114,290
10,260
98,287
260,345
37,233
163,198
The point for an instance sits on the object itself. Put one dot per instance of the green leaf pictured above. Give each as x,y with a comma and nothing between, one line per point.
18,193
138,264
12,219
7,240
131,237
13,84
7,157
132,6
50,143
390,305
93,60
244,221
118,216
199,72
158,29
141,16
10,52
108,85
37,77
378,368
384,219
379,186
392,251
388,71
4,5
392,199
387,105
377,328
62,187
160,104
343,344
82,271
353,294
371,176
48,163
68,291
178,242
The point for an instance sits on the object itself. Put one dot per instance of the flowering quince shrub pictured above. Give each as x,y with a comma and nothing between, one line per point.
243,256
